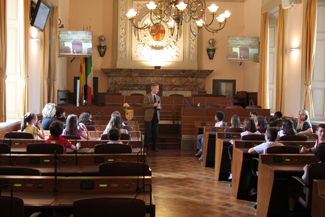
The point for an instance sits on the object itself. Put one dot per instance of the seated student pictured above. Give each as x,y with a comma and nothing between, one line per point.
287,128
73,129
117,113
276,119
235,122
249,128
60,115
296,189
261,122
254,116
270,137
321,139
31,125
48,113
87,116
219,116
84,119
56,129
304,126
114,135
116,122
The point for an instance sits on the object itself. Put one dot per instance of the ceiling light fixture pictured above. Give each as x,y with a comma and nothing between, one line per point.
174,12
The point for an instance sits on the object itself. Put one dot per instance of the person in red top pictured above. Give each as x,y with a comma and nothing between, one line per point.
56,129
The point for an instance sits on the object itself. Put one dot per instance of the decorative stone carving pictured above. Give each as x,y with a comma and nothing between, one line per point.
192,41
122,29
144,44
137,79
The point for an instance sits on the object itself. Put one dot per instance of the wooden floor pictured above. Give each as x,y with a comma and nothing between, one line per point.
182,187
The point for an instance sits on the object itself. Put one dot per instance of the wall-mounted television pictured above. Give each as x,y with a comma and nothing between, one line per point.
242,49
39,14
75,43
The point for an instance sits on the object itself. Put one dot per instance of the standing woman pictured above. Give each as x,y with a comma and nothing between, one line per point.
304,126
48,113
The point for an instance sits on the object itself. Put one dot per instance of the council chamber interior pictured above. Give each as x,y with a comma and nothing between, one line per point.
214,61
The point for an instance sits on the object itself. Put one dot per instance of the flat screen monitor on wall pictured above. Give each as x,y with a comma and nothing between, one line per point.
39,14
243,48
75,43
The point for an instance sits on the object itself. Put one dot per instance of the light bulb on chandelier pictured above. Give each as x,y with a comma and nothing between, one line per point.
175,12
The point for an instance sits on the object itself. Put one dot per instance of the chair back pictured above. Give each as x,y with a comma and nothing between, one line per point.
137,94
314,171
74,137
125,136
283,150
19,135
19,171
91,127
45,148
124,169
112,148
212,106
17,209
191,106
234,107
262,130
234,129
177,95
253,137
104,137
128,128
109,207
4,148
136,105
293,138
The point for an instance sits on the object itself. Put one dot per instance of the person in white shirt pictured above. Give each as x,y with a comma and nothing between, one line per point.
199,140
270,137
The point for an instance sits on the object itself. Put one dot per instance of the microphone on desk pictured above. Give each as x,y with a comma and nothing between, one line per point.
205,102
187,103
55,190
99,113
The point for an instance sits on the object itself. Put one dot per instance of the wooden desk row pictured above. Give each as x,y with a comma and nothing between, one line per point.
241,165
318,208
96,134
37,191
69,159
191,115
274,172
19,145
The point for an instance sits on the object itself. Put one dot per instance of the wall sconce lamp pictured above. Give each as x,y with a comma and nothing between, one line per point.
211,50
61,25
294,45
101,47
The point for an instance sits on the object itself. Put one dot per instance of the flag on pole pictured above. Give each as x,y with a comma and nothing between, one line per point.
89,80
82,79
86,90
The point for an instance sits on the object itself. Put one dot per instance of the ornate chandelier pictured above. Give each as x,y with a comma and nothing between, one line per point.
174,12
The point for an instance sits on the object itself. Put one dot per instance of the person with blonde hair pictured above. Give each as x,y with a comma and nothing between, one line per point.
48,113
304,126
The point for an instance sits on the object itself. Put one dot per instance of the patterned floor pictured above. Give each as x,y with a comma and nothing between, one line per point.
183,188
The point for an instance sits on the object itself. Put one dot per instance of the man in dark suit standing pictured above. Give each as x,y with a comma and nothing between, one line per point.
152,105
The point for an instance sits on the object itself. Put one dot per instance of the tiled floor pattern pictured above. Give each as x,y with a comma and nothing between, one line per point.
183,188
